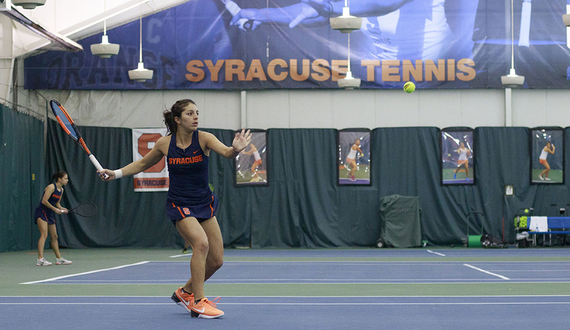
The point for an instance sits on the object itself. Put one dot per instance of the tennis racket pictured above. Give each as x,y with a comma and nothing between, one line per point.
86,210
64,119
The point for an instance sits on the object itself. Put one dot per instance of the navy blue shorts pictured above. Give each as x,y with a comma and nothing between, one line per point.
44,215
200,212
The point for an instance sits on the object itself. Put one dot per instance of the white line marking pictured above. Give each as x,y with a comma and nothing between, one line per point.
487,272
181,255
91,272
317,304
439,254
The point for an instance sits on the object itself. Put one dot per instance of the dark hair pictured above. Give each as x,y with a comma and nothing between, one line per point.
175,111
58,175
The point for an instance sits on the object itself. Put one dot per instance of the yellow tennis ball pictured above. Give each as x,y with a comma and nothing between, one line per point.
409,87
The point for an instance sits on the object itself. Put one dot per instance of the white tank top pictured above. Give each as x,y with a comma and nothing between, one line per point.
463,154
352,153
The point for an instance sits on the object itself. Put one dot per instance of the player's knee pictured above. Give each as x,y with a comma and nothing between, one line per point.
201,247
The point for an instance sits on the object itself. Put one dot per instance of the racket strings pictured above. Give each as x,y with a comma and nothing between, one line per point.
85,210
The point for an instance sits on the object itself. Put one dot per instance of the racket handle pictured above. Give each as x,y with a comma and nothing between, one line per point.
96,164
297,20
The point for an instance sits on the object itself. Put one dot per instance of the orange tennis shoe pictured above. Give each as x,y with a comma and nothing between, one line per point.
183,299
207,309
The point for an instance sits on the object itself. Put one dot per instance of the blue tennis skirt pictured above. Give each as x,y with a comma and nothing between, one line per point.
45,215
202,212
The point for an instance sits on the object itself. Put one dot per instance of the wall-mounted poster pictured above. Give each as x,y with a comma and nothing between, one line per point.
547,149
457,156
251,163
354,166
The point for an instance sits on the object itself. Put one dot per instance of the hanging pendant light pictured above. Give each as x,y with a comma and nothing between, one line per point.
140,74
349,82
105,49
346,23
512,79
29,4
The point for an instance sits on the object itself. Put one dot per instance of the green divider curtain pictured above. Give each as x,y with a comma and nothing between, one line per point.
21,178
303,206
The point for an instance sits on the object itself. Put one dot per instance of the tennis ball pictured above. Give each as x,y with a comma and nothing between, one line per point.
526,211
409,87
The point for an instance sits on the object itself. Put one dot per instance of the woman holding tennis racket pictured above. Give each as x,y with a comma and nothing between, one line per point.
45,220
190,203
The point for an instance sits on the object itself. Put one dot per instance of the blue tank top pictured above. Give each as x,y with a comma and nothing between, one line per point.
188,173
53,199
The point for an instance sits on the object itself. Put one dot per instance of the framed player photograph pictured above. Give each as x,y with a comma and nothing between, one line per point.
547,155
457,156
251,163
354,165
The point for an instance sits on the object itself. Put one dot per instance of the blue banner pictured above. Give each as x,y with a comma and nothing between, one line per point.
260,44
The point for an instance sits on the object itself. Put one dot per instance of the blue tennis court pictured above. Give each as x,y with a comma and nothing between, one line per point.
292,272
397,313
300,289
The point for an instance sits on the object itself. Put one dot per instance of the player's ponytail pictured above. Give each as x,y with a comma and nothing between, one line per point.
175,111
58,175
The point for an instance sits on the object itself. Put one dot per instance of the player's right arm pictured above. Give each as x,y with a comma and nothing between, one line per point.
159,150
317,12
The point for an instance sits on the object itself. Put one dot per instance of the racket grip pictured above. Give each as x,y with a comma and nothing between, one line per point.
297,20
232,7
96,164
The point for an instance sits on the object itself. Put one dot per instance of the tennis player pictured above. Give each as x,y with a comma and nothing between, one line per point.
190,203
257,161
548,149
386,24
463,160
351,158
44,216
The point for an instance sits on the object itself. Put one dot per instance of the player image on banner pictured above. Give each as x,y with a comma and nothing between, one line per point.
156,177
259,44
547,162
457,156
251,163
354,157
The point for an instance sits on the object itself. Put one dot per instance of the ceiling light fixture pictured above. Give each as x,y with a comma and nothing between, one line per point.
105,49
347,24
140,74
61,42
29,4
512,79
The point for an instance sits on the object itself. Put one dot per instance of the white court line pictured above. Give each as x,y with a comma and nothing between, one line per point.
181,255
487,272
91,272
319,304
439,254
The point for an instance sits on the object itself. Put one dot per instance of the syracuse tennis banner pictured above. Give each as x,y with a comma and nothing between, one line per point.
156,177
269,44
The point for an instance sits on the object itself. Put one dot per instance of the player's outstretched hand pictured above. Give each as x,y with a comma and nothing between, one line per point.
106,175
241,140
251,17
